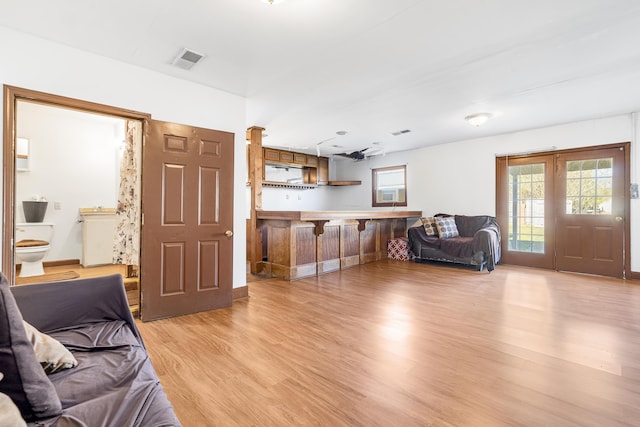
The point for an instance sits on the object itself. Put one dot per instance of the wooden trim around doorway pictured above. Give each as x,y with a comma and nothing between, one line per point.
12,95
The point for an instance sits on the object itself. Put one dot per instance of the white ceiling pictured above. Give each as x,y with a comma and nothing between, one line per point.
309,68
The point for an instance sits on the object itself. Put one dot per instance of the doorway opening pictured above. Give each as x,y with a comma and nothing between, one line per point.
75,172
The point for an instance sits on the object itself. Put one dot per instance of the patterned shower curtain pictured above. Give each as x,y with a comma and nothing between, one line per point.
127,239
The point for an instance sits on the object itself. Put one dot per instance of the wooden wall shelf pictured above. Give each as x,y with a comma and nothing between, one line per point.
343,183
285,185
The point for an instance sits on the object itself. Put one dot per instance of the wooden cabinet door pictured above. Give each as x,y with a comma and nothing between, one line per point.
323,170
270,154
300,159
286,157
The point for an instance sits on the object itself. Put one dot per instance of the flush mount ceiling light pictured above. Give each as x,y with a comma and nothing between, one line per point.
272,1
478,119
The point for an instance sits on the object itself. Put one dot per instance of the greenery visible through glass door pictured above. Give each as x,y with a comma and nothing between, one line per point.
589,187
526,208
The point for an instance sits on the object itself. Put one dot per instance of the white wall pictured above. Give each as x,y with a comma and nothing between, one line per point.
286,199
460,177
74,163
41,65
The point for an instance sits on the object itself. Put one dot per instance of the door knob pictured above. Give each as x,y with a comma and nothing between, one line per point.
228,233
618,218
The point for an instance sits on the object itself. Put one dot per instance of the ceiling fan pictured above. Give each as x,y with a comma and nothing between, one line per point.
365,153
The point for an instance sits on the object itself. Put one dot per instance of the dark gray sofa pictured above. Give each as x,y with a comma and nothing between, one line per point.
478,244
114,383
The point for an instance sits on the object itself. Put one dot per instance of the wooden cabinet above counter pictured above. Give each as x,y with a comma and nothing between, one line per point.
307,171
272,155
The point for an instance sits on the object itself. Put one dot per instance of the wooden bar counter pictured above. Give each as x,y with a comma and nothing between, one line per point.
298,244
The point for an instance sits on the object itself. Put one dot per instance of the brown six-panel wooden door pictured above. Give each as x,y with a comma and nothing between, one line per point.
187,244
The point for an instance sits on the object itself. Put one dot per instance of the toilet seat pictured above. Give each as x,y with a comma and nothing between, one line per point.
31,243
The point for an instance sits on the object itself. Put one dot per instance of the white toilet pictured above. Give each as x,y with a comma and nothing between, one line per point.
32,243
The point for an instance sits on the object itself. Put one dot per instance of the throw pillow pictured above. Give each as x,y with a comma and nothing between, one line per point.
52,355
446,226
9,413
25,382
429,224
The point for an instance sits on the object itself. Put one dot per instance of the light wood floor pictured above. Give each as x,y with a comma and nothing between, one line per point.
132,286
394,343
82,271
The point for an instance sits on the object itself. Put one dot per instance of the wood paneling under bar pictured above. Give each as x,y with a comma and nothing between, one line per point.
330,242
305,245
351,240
385,230
394,343
368,237
399,227
279,243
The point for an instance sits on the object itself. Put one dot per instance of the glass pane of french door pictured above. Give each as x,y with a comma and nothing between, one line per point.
589,186
526,208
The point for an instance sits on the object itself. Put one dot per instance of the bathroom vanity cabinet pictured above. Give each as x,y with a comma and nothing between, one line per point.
98,231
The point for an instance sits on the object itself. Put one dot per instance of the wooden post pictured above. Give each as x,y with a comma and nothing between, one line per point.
254,135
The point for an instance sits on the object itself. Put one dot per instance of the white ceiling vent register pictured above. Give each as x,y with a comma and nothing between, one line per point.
187,58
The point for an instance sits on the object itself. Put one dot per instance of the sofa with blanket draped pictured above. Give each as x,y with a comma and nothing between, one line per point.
461,239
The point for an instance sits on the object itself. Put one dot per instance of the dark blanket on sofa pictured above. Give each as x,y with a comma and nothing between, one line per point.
460,247
114,383
479,242
490,245
468,226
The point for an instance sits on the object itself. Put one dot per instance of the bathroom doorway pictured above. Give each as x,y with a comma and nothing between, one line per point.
206,157
72,159
72,164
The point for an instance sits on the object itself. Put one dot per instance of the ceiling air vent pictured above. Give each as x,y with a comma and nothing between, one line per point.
187,59
400,132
